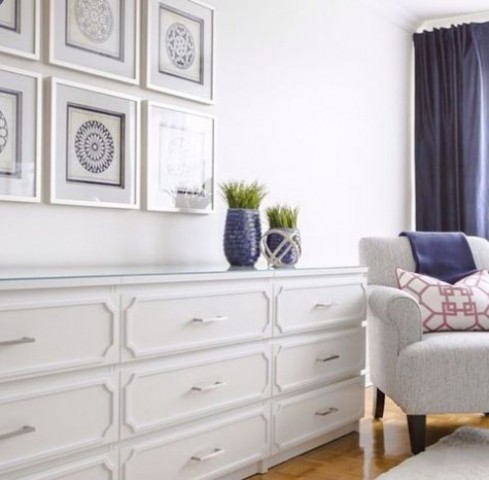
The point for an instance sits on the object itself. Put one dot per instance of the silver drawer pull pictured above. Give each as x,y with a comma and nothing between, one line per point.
329,411
21,431
324,305
18,341
327,359
215,453
209,387
217,318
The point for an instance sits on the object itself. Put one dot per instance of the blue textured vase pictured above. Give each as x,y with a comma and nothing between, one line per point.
242,237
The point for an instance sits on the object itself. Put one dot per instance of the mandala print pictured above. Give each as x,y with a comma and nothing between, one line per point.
94,146
180,46
95,19
3,131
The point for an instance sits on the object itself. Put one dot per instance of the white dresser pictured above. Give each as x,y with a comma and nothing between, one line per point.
173,375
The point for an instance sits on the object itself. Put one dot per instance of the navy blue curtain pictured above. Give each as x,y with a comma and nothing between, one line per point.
451,129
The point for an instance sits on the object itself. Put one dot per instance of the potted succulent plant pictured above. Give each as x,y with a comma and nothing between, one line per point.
281,245
243,230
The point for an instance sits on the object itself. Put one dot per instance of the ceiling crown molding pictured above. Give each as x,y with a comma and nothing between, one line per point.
449,21
394,13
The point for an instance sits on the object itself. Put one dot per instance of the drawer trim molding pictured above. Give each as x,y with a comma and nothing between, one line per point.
136,428
321,324
338,375
110,355
131,452
136,299
104,461
279,405
108,435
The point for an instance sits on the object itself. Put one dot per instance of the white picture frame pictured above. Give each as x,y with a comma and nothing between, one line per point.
108,47
20,135
180,159
180,49
94,146
20,28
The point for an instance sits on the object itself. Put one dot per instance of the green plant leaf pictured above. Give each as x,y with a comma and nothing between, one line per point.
243,195
282,216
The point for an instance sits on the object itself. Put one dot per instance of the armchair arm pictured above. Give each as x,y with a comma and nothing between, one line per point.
397,309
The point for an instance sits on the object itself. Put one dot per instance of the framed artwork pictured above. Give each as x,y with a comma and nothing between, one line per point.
19,28
180,49
179,160
96,36
94,146
20,134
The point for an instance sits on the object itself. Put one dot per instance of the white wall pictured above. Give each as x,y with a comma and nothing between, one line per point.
312,99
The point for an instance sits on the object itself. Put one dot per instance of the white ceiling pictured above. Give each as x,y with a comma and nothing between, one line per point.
434,9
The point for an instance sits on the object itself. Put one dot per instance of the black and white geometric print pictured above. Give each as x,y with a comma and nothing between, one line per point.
3,130
95,19
94,146
180,45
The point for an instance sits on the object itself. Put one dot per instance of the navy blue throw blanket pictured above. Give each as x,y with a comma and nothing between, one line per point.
442,255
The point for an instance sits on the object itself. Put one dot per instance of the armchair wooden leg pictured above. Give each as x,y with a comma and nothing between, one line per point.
379,403
417,432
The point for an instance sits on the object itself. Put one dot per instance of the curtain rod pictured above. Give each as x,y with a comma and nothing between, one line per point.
447,22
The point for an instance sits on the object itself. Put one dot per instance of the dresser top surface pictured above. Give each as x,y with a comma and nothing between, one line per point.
125,274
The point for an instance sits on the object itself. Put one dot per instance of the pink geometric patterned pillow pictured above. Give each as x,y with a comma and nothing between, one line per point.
463,306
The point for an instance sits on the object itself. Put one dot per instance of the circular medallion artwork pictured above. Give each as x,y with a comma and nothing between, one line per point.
94,146
3,131
95,19
180,46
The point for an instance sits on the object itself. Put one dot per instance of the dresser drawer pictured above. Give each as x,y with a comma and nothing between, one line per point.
305,361
103,467
49,417
309,306
304,417
46,332
201,454
167,392
188,320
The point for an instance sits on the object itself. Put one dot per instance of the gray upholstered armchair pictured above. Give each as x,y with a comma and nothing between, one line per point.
423,373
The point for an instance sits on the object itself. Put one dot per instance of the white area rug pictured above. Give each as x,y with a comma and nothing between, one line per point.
462,455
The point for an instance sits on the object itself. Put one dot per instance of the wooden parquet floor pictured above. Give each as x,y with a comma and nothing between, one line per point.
379,446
